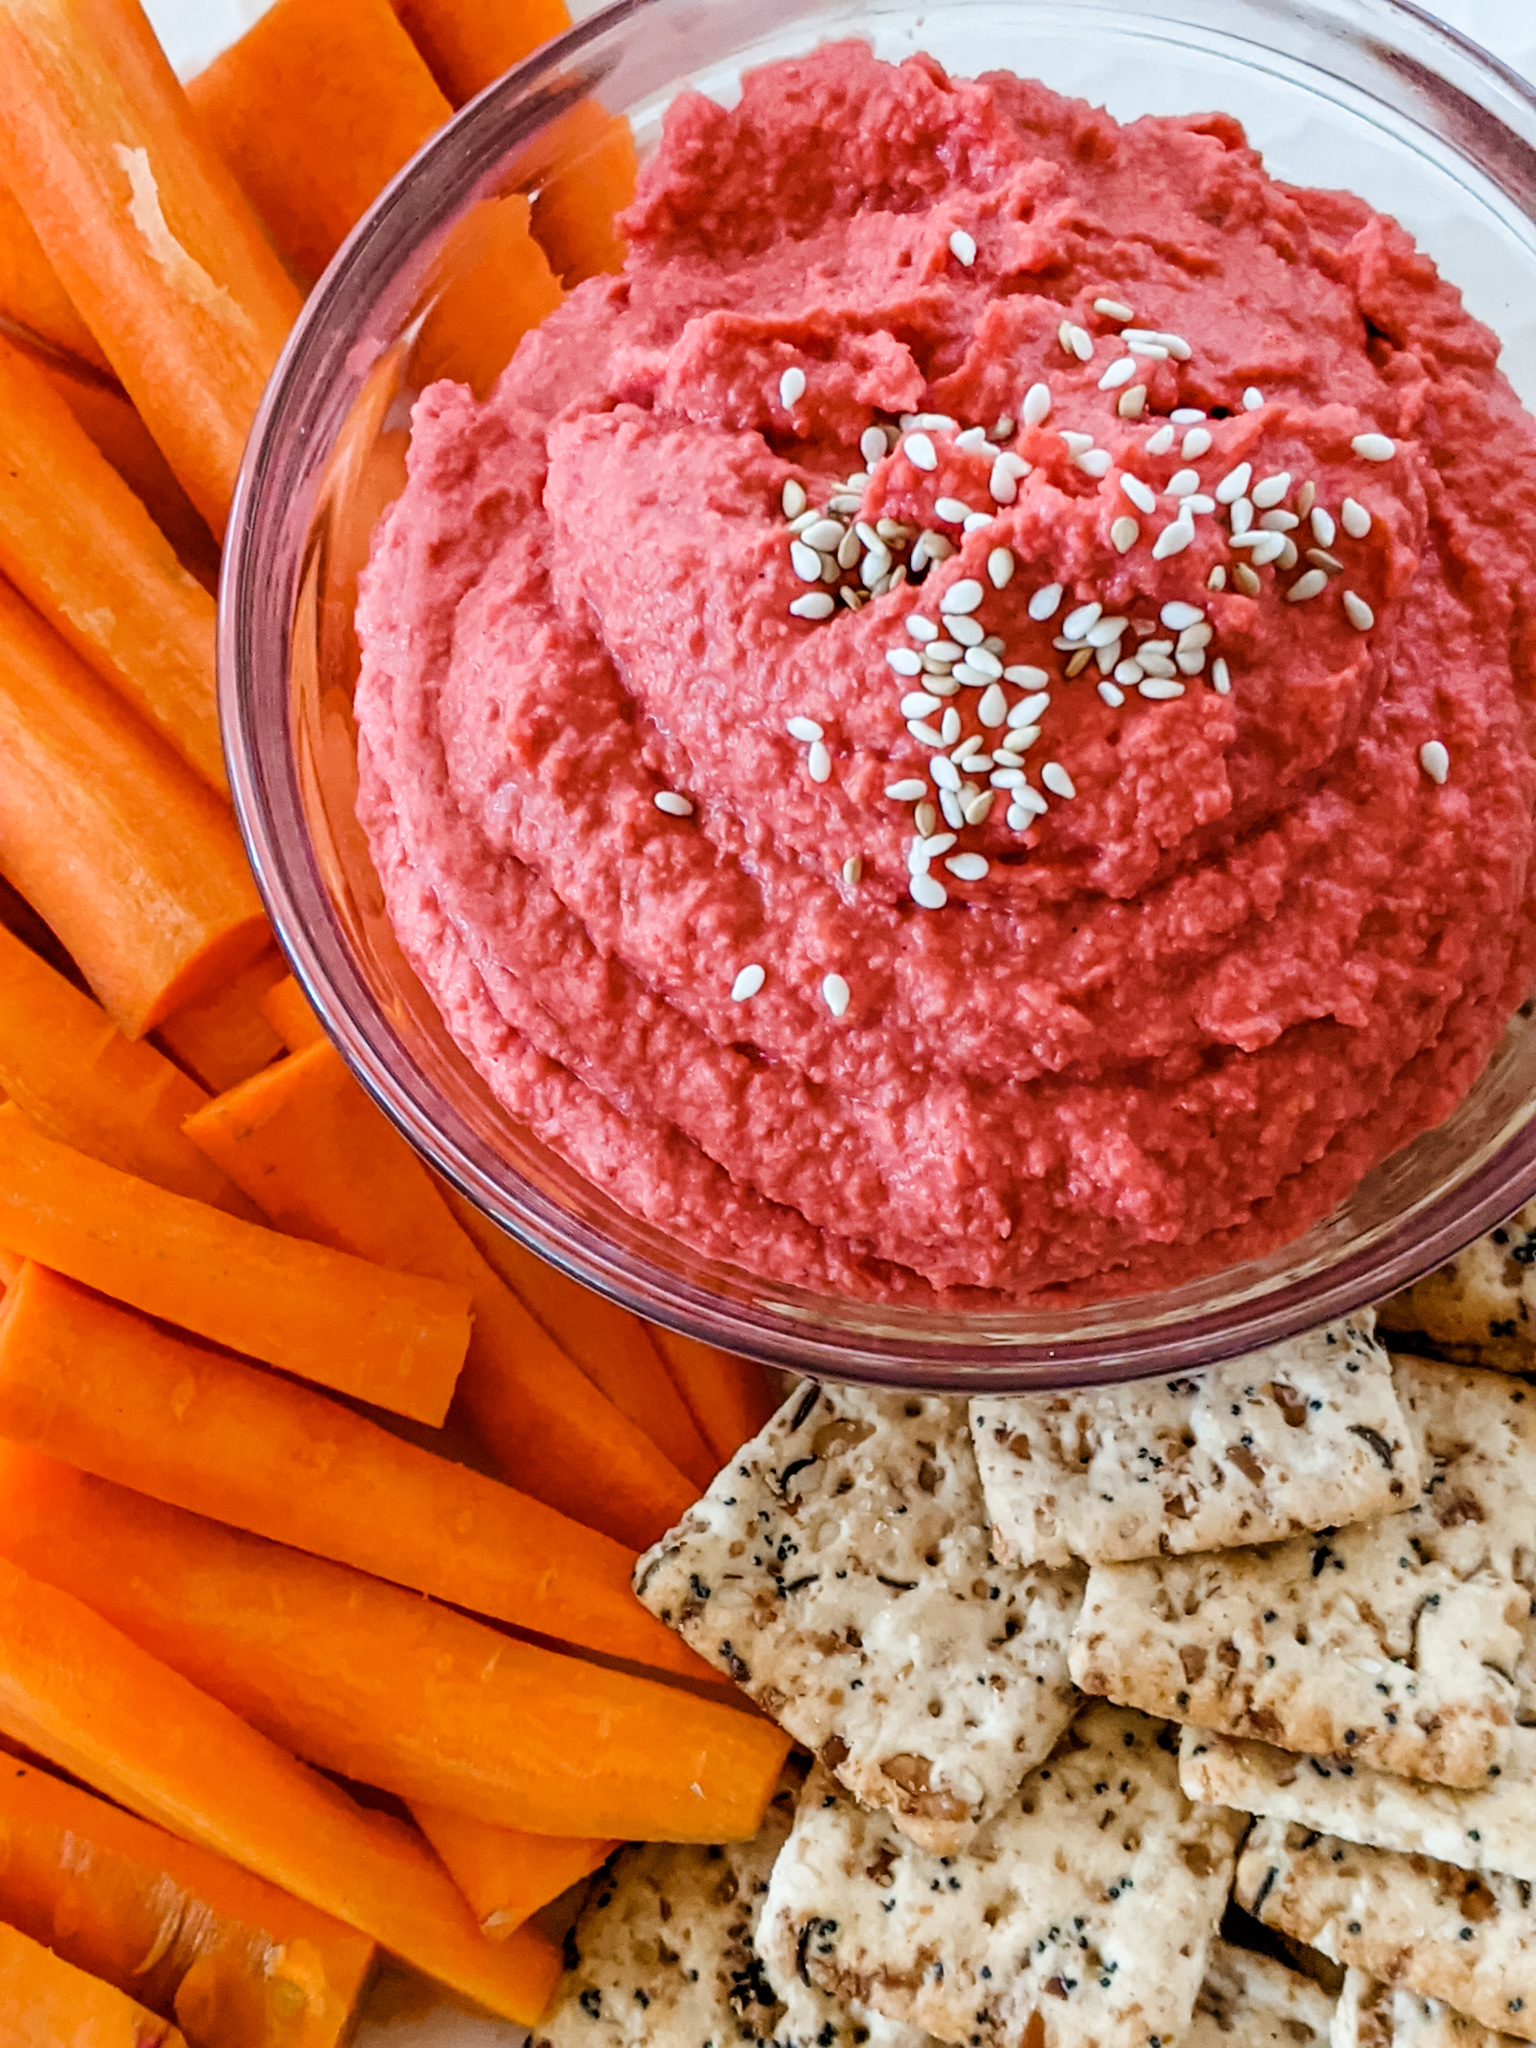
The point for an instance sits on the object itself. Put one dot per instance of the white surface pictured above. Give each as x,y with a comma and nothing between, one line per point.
193,31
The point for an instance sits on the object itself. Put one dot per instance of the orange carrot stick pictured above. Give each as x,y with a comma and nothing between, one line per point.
304,1142
149,234
286,1008
11,1270
224,1037
612,1347
467,44
236,1962
31,296
380,1336
382,1686
728,1397
507,1876
101,1388
594,180
48,2003
64,1063
75,1690
80,547
135,864
492,283
314,110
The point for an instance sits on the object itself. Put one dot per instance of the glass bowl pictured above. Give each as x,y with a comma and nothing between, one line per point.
1369,94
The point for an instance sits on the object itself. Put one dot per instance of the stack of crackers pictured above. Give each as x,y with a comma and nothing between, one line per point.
1157,1716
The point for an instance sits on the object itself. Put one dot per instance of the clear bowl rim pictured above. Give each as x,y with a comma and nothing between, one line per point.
1414,1245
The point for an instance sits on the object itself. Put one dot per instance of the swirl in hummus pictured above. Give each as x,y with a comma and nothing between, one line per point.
964,725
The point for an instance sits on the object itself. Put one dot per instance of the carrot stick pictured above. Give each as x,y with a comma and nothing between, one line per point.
48,2003
507,1876
383,1337
382,1686
11,1270
101,1388
612,1347
80,547
468,44
286,1008
80,1693
149,234
134,863
304,1142
236,1962
224,1037
493,282
31,296
110,420
64,1063
594,180
728,1397
314,110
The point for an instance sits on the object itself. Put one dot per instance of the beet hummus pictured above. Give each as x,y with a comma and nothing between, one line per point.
964,724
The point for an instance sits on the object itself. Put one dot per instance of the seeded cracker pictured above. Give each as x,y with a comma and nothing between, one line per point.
664,1951
1080,1914
1252,2001
1370,2014
1491,1828
1307,1435
1392,1642
1480,1306
812,2020
1449,1934
838,1569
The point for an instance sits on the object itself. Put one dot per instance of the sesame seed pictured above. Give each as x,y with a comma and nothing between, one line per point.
1057,780
973,440
674,805
938,545
1217,580
1129,672
1175,344
1013,463
805,729
1311,584
1075,626
935,843
818,762
1358,612
792,498
1234,484
1241,516
1007,778
805,562
1178,617
747,983
1187,416
1120,371
1078,663
1155,664
1161,441
859,481
1321,559
852,598
802,520
1200,634
1113,309
953,509
1037,405
1112,696
968,867
928,892
1221,677
967,631
1095,463
834,993
920,452
1000,567
843,503
1323,528
1131,402
941,420
963,753
917,858
875,564
949,727
1288,556
1246,581
993,708
853,870
1183,483
925,735
945,774
1253,398
1271,489
1374,447
1075,341
872,444
1045,603
907,791
1077,444
1190,660
962,597
1197,442
1355,519
904,661
1278,522
791,387
1306,497
1003,428
1159,688
918,704
1268,547
1153,351
963,247
1141,495
823,535
971,678
949,804
1173,540
925,817
1027,805
984,662
921,628
1434,760
1197,501
1105,632
1124,534
1029,708
816,604
1002,484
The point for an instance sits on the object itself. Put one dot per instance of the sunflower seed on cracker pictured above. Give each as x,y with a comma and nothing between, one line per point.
1480,1307
1465,1937
1370,2014
839,1570
1252,2001
1307,1435
664,1950
1080,1914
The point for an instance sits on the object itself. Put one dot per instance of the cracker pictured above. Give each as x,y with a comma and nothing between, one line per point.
1491,1828
1466,1937
1396,1642
664,1951
839,1570
1480,1307
1307,1435
813,2020
1081,1913
1252,2001
1370,2014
